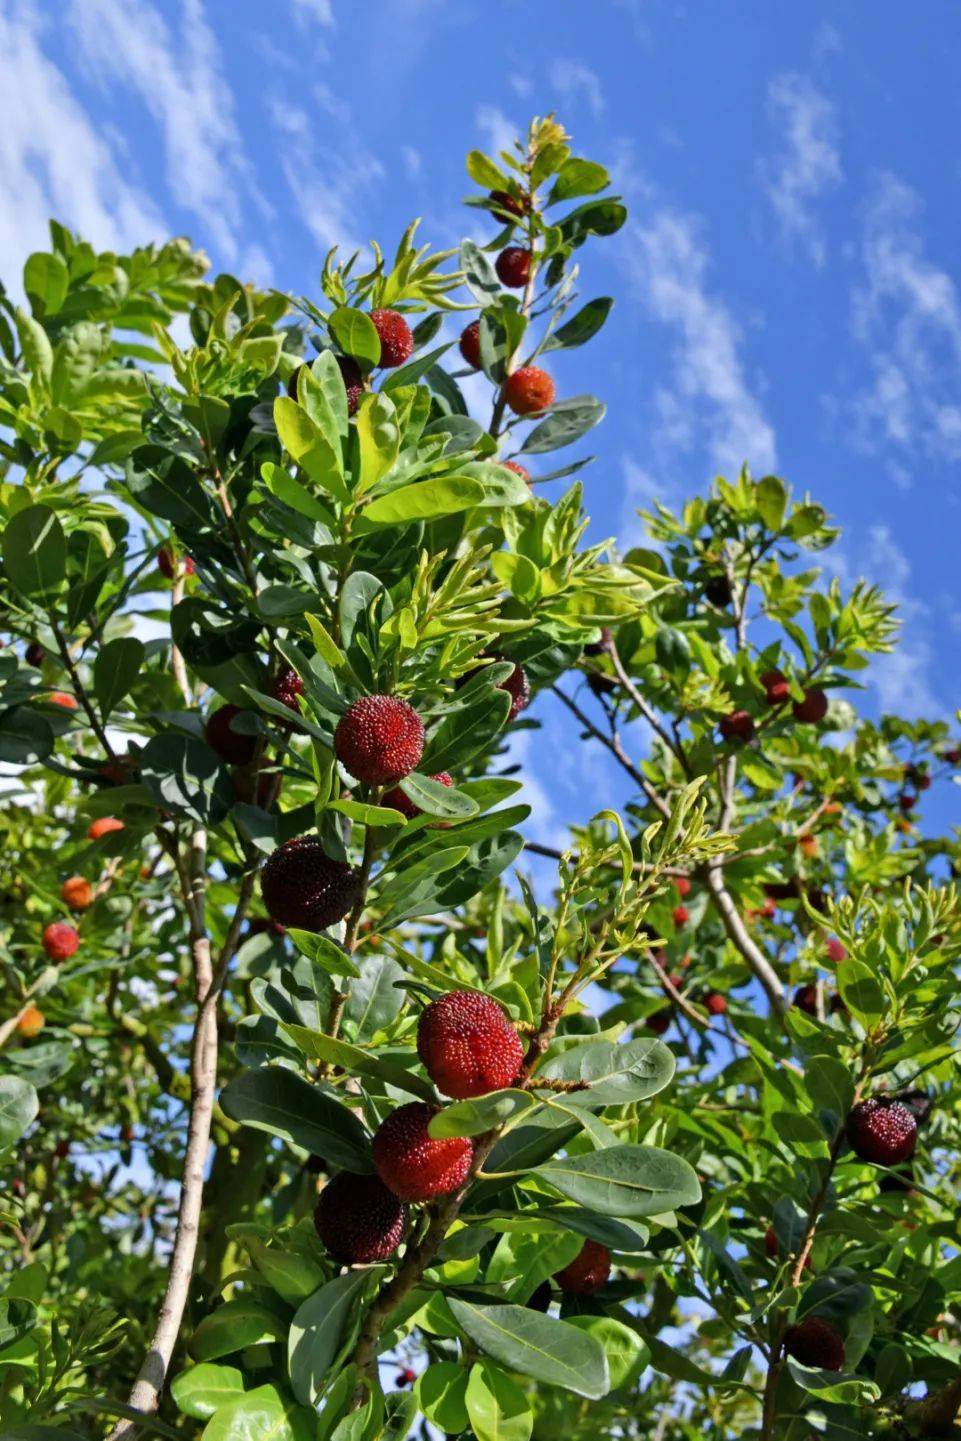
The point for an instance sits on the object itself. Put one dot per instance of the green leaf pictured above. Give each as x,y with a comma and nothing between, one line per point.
46,281
550,1351
567,422
199,1390
184,775
291,493
279,1102
356,334
323,951
480,277
367,815
578,177
829,1084
425,500
25,736
264,1414
335,1052
316,1332
626,1353
306,443
771,497
624,1180
35,551
375,999
581,327
483,171
232,1327
19,1105
435,799
116,670
860,991
36,347
497,1407
479,1114
617,1071
379,436
441,1391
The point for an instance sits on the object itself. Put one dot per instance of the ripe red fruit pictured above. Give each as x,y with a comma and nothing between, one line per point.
529,390
953,757
34,653
396,340
813,708
102,826
814,1342
738,726
359,1220
776,690
518,687
715,1003
680,916
660,1021
602,646
60,941
718,590
62,699
468,1046
834,951
62,1150
882,1131
682,885
588,1272
504,203
518,469
379,739
806,999
77,893
907,802
230,745
353,381
411,1163
167,562
407,1377
918,777
469,344
513,267
31,1022
286,686
398,801
303,887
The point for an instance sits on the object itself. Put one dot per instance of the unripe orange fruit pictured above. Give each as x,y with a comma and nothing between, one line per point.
77,893
31,1022
102,825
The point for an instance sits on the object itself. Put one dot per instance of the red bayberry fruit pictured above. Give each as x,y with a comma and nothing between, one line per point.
167,562
660,1021
882,1131
414,1165
60,941
518,687
813,708
62,1150
806,999
814,1342
34,653
715,1003
230,745
953,757
469,344
467,1045
907,802
771,1245
353,381
62,699
529,390
776,689
359,1220
834,951
260,925
379,739
286,686
602,646
513,267
102,826
718,590
303,887
738,726
680,916
682,885
77,893
398,801
518,469
31,1022
504,203
588,1272
396,340
407,1377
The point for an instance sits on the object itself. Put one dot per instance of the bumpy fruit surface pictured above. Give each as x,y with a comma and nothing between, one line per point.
167,562
882,1131
102,826
588,1272
776,689
303,887
814,1342
469,344
513,267
398,801
379,739
396,340
834,951
286,686
230,745
31,1022
529,390
467,1045
359,1220
681,915
813,708
60,941
350,374
77,893
411,1163
506,204
518,687
738,726
682,885
715,1003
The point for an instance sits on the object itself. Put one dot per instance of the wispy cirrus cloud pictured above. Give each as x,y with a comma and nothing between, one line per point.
326,184
573,80
807,162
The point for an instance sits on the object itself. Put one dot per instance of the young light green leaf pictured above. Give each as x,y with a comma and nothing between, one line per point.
479,1114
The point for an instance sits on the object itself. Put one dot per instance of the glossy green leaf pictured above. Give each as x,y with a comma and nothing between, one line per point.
567,422
35,552
263,1414
479,1114
317,1331
233,1326
616,1072
115,671
497,1407
550,1351
279,1102
201,1389
19,1105
356,334
624,1180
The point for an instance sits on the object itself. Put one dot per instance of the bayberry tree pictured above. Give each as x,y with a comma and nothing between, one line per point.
332,1105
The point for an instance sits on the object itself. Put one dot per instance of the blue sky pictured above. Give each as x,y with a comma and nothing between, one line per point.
785,287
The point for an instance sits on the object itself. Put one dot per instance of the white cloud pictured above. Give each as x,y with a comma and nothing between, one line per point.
499,132
320,11
412,161
178,77
573,79
808,161
326,184
708,404
907,315
53,160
